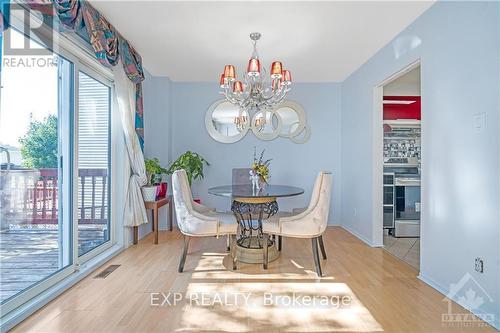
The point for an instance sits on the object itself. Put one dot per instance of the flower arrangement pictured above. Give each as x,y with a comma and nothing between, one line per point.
260,167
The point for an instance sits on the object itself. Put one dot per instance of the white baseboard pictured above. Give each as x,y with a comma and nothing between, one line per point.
361,237
445,292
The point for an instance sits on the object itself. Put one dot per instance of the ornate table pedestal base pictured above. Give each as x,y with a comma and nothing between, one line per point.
255,255
251,213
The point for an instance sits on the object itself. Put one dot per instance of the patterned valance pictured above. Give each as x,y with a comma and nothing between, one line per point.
4,15
2,25
68,12
108,45
131,60
103,37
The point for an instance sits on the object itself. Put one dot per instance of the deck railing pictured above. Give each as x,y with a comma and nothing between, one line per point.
30,196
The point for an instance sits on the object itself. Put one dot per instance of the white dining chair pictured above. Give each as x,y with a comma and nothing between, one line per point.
310,223
201,208
241,176
193,223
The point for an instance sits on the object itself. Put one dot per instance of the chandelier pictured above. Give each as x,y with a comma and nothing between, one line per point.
258,92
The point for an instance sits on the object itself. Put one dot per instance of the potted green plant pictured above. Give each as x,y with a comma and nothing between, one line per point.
193,163
154,173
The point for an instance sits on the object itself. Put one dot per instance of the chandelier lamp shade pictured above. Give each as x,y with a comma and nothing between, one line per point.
276,70
287,78
229,73
257,90
253,68
238,87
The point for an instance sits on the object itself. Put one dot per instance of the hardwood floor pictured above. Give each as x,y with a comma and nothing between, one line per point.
383,292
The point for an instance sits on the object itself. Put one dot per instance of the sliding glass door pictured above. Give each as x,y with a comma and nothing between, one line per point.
35,174
55,174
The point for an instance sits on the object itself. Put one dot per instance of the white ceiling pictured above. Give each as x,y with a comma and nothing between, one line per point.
317,41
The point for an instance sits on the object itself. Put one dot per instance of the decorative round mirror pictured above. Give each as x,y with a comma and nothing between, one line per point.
225,122
303,135
266,125
293,118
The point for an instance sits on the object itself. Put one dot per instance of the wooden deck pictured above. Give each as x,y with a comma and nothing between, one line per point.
29,256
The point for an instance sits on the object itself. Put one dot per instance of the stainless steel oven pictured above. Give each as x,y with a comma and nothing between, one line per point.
388,201
407,205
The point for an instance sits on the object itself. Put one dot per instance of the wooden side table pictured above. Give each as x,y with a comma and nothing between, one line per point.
155,206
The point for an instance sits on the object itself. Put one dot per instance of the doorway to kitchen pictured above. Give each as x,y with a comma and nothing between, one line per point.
401,126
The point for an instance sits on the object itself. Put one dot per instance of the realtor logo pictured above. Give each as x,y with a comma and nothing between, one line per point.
23,14
472,296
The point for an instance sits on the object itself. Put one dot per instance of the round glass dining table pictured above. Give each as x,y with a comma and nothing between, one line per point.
251,208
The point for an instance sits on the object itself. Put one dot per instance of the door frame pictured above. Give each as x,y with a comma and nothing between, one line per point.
378,159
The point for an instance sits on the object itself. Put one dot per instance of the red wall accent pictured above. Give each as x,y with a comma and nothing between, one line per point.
402,111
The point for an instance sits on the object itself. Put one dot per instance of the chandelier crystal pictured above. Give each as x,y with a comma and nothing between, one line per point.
258,92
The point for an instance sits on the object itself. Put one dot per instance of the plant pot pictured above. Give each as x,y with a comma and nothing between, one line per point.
161,191
149,193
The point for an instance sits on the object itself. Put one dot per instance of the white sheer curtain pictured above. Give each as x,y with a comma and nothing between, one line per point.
135,212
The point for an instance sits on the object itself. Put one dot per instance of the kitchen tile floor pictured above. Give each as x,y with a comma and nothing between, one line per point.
406,249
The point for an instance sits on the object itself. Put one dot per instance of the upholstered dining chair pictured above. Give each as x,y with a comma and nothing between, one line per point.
310,223
193,223
241,176
201,208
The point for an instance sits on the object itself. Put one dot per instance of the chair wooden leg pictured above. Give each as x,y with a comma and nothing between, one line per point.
279,243
317,262
136,234
266,250
184,254
152,219
170,213
233,244
322,246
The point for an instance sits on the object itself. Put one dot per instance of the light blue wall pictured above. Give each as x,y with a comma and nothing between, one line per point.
293,164
458,44
157,130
